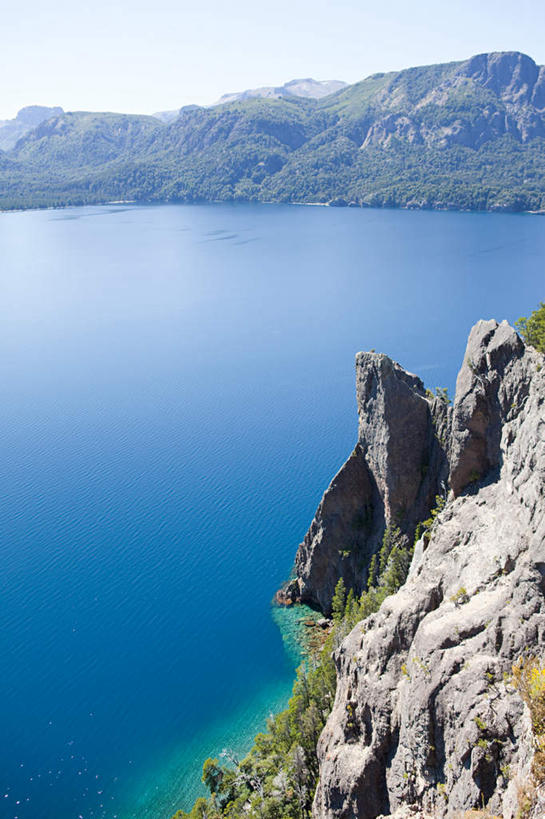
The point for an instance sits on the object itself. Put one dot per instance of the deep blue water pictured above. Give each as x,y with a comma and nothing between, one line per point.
177,391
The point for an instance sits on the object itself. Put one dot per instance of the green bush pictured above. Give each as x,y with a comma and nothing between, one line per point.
532,329
278,778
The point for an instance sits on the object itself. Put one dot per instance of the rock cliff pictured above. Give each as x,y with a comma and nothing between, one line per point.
425,719
511,91
393,475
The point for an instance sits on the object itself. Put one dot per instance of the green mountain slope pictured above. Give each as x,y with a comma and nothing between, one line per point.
76,140
460,135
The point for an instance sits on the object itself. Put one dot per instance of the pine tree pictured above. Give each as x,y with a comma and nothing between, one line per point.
339,600
532,329
373,569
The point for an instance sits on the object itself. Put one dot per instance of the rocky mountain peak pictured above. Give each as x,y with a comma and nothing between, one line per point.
27,119
392,477
32,115
483,401
396,447
308,88
509,74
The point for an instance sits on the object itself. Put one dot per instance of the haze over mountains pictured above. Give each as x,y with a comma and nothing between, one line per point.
467,135
309,88
11,130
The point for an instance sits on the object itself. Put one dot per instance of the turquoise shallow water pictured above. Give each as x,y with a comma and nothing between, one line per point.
177,393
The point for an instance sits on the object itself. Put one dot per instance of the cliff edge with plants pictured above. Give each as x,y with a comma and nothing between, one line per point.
428,552
426,715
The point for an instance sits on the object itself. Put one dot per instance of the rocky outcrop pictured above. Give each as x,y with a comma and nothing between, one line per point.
338,543
425,720
489,385
509,87
397,432
510,75
394,473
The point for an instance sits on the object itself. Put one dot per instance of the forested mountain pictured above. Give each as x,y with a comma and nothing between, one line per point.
467,135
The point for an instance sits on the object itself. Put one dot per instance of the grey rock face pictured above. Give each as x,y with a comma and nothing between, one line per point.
510,88
509,74
398,438
485,396
424,719
396,126
392,476
337,543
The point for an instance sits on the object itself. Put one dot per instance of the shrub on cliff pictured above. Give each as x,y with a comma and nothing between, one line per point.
339,601
532,329
278,778
529,680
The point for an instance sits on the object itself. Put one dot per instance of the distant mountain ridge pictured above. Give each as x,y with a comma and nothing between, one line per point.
28,118
308,88
464,135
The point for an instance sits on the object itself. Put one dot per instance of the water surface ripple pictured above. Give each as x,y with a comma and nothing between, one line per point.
177,391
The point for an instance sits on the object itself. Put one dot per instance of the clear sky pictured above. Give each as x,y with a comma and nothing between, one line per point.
136,56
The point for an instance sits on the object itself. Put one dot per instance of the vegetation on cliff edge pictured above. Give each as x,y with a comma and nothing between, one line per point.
532,329
529,680
278,778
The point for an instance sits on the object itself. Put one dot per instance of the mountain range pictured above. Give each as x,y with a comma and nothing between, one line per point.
463,135
28,118
309,88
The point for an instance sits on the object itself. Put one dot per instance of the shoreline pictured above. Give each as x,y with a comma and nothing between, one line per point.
331,204
300,634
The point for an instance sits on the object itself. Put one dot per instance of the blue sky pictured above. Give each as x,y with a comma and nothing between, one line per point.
137,56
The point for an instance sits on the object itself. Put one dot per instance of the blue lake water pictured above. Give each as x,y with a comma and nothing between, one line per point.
177,391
